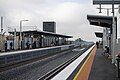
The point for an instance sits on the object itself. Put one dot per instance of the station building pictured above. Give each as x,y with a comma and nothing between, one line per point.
46,38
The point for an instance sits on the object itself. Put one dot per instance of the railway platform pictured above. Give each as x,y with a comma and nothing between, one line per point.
94,66
97,67
102,68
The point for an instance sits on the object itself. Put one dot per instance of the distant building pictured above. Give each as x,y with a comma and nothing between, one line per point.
81,42
38,39
49,26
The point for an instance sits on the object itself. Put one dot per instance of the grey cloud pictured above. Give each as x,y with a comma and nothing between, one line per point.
70,16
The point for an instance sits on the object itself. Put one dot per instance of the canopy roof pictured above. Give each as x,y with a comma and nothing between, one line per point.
99,34
106,1
102,21
42,33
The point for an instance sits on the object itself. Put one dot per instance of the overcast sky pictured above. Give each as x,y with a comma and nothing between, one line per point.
70,15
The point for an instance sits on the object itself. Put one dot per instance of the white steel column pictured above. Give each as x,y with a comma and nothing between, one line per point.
104,38
113,35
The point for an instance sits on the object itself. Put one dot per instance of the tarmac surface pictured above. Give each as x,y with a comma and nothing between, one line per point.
102,68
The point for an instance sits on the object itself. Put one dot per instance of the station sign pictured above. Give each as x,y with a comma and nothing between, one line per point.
106,2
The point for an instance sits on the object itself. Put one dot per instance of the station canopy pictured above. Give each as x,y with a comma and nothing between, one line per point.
106,2
99,34
102,21
42,33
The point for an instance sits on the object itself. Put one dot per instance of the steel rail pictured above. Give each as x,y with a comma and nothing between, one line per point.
56,70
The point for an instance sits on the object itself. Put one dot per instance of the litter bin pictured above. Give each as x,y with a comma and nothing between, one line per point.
118,65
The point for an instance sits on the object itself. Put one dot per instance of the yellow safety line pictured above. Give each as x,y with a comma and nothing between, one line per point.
82,67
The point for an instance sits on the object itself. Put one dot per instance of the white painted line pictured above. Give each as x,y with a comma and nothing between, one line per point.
65,73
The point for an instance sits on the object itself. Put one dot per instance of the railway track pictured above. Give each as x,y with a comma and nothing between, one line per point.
59,68
10,66
29,70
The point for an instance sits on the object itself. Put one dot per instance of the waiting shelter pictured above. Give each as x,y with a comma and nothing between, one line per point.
39,39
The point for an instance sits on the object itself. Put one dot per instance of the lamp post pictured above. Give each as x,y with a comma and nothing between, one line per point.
21,32
119,9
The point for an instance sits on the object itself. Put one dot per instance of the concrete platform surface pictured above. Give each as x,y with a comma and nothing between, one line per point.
102,68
